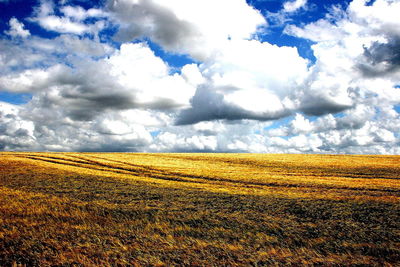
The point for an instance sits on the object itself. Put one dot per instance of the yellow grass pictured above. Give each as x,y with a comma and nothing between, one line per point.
107,209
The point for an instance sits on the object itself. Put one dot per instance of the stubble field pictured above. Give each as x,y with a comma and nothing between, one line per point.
114,209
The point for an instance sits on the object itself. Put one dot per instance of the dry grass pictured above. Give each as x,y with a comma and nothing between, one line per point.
74,209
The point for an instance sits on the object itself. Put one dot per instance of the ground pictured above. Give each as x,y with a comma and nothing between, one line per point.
108,209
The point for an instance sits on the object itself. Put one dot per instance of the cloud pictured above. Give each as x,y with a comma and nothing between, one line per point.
16,57
207,105
28,81
15,132
241,94
212,136
62,25
17,29
243,83
350,46
72,22
182,143
197,28
43,128
293,6
355,131
78,13
289,9
381,58
37,53
92,88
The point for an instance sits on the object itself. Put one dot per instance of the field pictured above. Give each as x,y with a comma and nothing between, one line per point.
110,209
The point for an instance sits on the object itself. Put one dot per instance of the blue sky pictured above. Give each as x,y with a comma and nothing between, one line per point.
265,76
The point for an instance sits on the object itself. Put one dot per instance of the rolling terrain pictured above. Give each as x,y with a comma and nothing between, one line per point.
108,209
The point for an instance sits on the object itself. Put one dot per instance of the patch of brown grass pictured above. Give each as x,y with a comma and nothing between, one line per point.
198,209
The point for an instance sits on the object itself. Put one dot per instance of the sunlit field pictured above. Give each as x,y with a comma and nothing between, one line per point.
108,209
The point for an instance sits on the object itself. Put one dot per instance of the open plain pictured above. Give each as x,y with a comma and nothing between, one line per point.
108,209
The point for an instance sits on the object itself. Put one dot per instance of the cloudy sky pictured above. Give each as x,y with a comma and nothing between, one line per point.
269,76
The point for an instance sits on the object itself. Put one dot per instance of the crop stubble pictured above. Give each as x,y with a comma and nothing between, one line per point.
198,209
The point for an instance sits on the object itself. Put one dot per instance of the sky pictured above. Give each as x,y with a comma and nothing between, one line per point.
259,76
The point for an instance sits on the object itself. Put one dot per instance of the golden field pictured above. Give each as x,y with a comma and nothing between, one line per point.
119,209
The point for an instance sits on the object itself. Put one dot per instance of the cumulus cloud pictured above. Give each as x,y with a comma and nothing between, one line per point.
355,131
40,53
91,87
72,22
381,58
208,105
292,6
15,132
243,83
44,128
197,28
78,13
352,45
17,29
286,13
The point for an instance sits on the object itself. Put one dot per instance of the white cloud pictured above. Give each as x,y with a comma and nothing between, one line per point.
247,80
177,142
132,76
292,6
62,25
72,22
17,29
356,55
289,9
301,125
137,69
78,13
365,34
28,81
197,28
41,53
108,104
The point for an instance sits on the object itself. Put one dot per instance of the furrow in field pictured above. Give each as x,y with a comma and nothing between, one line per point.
294,169
102,167
128,168
257,183
267,176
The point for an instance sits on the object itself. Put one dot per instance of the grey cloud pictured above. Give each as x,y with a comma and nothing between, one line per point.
42,53
15,56
87,107
147,19
161,104
3,129
350,123
90,88
15,132
209,105
83,97
81,46
36,128
321,106
381,58
108,147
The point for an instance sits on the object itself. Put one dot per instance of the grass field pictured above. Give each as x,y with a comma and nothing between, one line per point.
99,209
